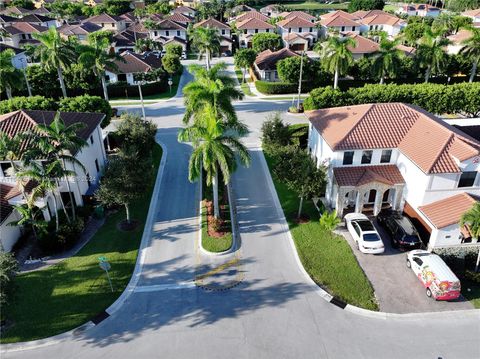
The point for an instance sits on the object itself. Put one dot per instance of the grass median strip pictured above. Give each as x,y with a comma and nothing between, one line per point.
61,297
326,257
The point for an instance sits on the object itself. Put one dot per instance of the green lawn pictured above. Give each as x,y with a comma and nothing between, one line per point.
313,5
160,96
64,296
244,86
389,7
214,244
326,257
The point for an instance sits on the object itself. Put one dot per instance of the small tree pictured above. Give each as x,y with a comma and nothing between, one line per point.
275,133
174,49
244,59
136,134
329,220
356,5
265,41
171,63
471,218
124,181
8,271
289,69
300,173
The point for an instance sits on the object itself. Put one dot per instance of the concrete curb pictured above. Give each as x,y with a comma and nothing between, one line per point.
74,333
335,301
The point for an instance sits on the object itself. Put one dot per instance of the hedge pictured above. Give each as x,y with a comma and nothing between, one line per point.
122,89
85,103
459,98
275,88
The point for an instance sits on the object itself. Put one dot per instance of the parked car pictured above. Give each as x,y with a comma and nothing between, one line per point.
364,233
184,55
438,279
403,233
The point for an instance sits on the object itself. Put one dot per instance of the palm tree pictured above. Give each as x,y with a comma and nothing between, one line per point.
10,77
336,56
471,49
9,149
54,53
96,56
215,88
471,218
207,41
387,60
214,148
431,52
58,141
30,215
142,45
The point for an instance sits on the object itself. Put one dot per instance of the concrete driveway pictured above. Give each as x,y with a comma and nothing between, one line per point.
396,287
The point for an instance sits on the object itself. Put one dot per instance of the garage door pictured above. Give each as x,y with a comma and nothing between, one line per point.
297,47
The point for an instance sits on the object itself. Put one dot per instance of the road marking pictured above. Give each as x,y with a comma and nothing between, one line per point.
160,287
218,269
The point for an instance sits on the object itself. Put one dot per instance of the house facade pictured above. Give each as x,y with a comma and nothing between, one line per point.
299,26
265,64
251,26
397,156
226,43
131,65
92,156
474,15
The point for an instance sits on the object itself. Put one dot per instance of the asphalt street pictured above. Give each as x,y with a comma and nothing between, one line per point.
274,312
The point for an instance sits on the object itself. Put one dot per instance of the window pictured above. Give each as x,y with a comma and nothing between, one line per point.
353,28
245,31
91,139
386,156
178,33
310,29
167,33
155,33
223,31
268,30
343,28
467,179
256,31
367,157
299,29
96,166
348,157
289,30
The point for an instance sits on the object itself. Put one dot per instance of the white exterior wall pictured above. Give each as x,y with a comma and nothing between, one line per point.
113,78
304,31
155,34
9,235
245,33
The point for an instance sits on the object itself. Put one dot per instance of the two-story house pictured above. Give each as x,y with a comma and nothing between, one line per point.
251,26
223,30
109,22
92,157
394,155
299,26
378,20
474,15
167,31
337,22
20,33
422,10
79,31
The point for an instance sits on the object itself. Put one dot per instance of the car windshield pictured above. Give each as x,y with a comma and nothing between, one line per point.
365,225
370,237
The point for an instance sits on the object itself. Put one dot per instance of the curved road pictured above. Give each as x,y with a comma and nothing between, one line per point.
273,313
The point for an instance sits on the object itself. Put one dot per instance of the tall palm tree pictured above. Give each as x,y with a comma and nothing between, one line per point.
142,45
471,49
30,215
387,60
10,77
471,219
213,87
207,41
58,141
54,53
97,57
9,150
431,52
214,149
336,55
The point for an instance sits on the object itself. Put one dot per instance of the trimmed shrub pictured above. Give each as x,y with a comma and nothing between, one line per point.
459,98
123,90
276,88
65,238
27,103
87,103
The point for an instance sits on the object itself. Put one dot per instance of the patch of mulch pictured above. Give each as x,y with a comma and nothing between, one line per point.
304,218
127,227
211,221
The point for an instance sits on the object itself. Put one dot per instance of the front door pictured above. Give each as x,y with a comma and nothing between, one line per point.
371,196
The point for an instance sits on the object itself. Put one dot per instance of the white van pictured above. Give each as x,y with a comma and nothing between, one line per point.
438,279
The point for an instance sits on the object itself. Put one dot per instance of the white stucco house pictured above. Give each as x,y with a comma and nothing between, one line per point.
265,64
223,30
251,26
474,15
108,22
92,156
300,26
422,10
338,22
398,156
132,64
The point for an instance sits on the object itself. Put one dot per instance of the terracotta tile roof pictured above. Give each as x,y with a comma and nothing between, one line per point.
170,25
253,23
104,18
339,20
360,175
129,17
175,40
211,22
407,50
138,28
20,121
460,36
472,13
135,63
363,45
6,19
295,22
251,15
301,14
430,143
382,19
32,18
294,36
183,9
333,14
267,60
448,211
178,17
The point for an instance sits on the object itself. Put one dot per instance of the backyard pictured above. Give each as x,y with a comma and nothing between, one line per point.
64,296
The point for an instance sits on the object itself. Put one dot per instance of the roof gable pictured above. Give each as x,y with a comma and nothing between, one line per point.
211,22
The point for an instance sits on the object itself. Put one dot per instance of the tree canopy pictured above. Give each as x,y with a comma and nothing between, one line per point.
356,5
266,40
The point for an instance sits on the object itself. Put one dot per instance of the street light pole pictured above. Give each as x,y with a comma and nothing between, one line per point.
300,80
24,66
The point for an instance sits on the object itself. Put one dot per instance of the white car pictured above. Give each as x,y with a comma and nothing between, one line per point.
364,233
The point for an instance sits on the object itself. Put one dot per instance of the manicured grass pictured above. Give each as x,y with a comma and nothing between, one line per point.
326,257
389,7
64,296
473,295
160,96
244,86
214,244
313,5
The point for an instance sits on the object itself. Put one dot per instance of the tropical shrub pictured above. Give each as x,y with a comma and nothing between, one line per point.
8,271
27,103
329,220
87,103
275,133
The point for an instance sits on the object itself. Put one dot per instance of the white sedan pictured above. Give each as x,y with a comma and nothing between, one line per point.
364,233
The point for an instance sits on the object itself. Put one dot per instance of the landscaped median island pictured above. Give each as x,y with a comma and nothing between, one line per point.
64,296
326,257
